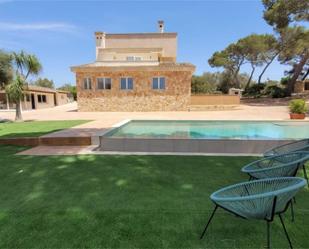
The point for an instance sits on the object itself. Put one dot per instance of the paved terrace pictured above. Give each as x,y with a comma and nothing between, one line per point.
102,121
105,120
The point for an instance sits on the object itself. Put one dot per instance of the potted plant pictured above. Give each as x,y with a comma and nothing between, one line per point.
298,109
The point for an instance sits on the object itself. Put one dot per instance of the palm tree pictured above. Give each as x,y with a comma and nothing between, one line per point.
15,93
25,65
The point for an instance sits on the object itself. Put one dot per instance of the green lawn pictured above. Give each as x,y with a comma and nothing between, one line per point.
35,128
128,202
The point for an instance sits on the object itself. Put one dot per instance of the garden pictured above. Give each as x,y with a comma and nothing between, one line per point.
95,201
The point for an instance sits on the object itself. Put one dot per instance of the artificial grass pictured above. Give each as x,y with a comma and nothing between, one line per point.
35,128
93,201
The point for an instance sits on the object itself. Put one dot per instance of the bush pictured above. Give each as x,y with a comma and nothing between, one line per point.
298,106
199,84
254,90
274,91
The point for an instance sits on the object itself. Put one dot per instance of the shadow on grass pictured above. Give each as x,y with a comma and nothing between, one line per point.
126,202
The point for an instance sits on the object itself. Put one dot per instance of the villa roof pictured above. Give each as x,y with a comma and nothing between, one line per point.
112,67
43,89
40,89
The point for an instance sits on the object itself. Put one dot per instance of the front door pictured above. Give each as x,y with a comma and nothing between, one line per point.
32,101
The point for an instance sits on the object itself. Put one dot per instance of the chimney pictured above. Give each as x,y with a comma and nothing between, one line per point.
99,41
161,26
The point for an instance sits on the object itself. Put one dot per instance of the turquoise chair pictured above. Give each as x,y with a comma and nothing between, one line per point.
277,166
258,200
300,145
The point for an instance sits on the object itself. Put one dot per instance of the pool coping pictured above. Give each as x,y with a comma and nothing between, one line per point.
126,121
188,145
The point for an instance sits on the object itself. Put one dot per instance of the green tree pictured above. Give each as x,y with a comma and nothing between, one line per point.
231,59
15,92
256,50
44,82
226,81
294,39
70,88
202,84
269,51
280,13
6,69
294,52
252,47
25,65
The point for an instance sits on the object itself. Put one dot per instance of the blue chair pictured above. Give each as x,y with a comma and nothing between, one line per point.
300,145
258,199
277,166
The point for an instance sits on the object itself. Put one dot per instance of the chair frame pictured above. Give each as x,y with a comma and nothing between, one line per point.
304,148
268,220
275,149
300,162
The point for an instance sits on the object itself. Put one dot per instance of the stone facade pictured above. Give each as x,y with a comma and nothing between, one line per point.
175,96
301,86
140,56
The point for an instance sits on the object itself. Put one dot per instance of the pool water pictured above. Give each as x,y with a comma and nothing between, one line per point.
249,130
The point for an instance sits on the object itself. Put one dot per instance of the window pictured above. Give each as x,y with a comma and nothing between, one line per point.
306,86
126,83
87,83
134,58
104,83
42,98
28,97
158,83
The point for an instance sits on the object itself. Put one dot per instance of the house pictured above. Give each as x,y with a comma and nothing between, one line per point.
36,97
134,72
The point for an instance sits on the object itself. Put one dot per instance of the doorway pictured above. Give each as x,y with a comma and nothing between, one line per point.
32,101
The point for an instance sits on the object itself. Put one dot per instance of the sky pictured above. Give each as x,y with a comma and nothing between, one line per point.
61,33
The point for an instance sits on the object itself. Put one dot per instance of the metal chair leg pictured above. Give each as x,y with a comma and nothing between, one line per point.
268,234
292,211
212,215
305,174
286,233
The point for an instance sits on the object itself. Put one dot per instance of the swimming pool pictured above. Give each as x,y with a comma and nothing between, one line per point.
241,137
213,130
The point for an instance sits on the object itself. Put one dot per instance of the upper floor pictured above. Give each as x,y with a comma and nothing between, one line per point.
136,48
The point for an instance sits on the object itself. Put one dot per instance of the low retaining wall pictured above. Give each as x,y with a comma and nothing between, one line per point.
188,145
48,141
215,100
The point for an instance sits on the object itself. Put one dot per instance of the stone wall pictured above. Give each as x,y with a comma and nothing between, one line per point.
175,97
218,99
299,87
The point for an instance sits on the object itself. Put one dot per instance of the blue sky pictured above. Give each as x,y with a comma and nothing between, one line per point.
60,33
